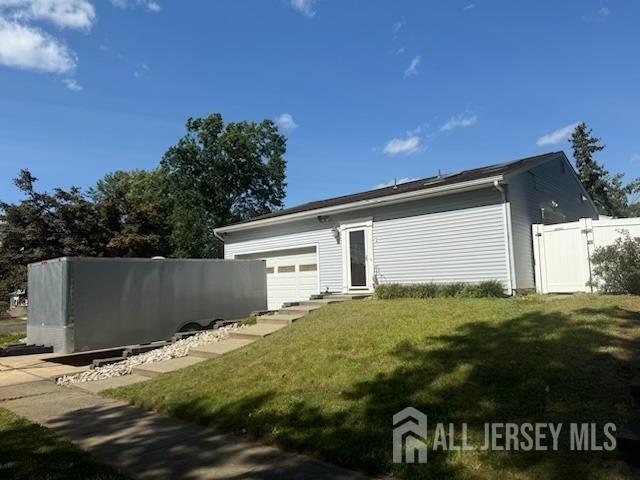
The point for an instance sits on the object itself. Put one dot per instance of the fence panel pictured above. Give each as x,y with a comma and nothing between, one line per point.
562,252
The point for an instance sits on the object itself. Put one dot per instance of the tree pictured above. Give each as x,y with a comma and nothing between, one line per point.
608,192
43,225
134,209
217,174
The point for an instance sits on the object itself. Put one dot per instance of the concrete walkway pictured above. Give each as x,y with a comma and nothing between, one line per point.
149,445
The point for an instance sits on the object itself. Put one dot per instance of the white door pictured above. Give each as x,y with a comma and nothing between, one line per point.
357,256
292,274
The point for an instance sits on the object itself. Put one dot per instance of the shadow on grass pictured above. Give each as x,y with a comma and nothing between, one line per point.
539,367
29,451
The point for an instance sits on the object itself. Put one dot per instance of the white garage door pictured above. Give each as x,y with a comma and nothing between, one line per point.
292,275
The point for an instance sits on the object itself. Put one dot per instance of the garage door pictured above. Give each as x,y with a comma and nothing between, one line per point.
292,274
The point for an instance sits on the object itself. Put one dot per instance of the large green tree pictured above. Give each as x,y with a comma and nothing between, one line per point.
609,193
219,173
45,225
134,209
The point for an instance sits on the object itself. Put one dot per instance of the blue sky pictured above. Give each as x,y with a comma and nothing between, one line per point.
366,91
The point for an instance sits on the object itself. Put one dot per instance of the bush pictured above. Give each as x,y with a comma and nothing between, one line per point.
489,288
616,268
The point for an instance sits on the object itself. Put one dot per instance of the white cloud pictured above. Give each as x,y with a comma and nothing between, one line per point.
471,6
604,12
72,85
305,7
400,51
556,136
459,121
285,121
395,181
412,69
399,25
28,48
151,5
78,14
397,146
635,158
141,70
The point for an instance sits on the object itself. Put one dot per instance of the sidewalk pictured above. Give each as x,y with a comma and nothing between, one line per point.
149,445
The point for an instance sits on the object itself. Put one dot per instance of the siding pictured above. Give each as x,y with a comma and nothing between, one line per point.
461,245
530,191
447,238
287,236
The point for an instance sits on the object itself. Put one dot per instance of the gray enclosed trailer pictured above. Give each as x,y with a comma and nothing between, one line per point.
79,304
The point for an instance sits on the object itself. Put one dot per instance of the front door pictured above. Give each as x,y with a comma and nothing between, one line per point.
357,258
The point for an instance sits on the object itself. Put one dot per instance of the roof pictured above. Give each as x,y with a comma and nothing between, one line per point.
416,185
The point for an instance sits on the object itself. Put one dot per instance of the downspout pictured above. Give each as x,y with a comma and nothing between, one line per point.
221,238
507,220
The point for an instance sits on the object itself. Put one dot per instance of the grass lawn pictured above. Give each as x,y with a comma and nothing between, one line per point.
29,451
330,384
7,338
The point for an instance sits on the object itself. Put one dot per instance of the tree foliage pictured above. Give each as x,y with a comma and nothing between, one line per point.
134,209
46,225
214,175
218,174
609,193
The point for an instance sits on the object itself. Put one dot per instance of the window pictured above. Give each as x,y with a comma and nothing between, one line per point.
310,267
269,269
287,269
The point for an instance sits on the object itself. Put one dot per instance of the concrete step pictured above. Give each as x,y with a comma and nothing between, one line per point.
115,382
281,318
219,348
301,308
158,368
320,302
346,296
254,332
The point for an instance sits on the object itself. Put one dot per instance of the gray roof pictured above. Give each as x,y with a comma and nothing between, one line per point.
422,184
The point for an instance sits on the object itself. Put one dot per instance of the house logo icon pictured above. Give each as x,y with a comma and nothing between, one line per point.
409,436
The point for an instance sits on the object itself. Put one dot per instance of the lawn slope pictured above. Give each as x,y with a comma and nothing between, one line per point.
330,384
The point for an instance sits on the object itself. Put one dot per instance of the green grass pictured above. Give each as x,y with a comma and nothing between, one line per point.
7,338
330,384
29,451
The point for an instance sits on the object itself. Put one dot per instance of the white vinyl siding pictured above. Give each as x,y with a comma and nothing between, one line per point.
304,234
458,237
530,191
461,245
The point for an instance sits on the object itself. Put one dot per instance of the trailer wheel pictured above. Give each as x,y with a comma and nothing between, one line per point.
215,324
191,327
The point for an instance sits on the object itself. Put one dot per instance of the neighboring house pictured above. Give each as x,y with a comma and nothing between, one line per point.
469,226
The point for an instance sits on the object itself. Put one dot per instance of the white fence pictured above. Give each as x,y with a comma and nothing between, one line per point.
562,252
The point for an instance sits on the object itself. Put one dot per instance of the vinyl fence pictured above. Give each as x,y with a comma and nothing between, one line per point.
562,252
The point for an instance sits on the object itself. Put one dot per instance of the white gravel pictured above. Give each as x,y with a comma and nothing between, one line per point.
175,350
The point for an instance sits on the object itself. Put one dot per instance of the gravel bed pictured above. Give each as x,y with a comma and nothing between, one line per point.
175,350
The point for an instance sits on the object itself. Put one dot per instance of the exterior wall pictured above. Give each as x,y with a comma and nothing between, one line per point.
530,191
447,238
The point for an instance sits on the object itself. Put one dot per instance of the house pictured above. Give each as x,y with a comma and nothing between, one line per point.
469,226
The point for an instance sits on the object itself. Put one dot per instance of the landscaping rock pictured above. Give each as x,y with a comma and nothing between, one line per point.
175,350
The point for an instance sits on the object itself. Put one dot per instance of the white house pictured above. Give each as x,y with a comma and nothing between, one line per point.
469,226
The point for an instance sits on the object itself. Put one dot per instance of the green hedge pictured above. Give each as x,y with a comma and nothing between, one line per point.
489,288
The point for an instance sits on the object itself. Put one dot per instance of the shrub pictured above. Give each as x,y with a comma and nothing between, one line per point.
489,288
616,268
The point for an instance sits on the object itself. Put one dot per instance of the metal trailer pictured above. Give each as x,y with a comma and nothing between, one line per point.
78,304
